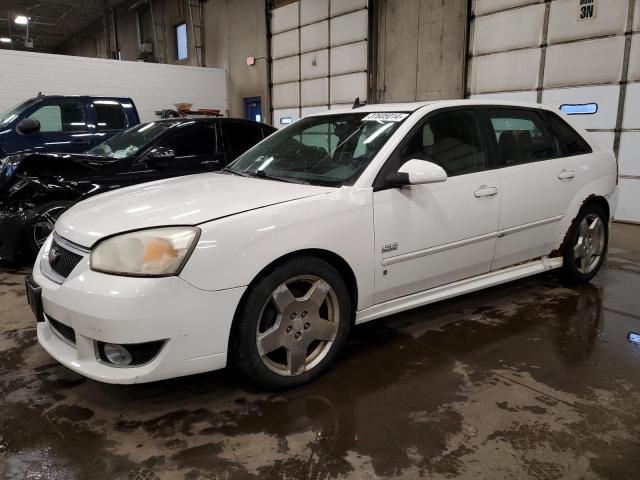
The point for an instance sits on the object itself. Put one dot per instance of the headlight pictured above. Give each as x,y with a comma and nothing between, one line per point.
155,252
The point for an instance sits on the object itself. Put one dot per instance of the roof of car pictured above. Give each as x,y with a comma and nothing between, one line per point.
413,106
180,121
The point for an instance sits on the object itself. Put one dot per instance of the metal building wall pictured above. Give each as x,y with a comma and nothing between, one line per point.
319,56
542,51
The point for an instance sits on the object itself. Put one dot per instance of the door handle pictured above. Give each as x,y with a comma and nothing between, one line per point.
566,174
485,191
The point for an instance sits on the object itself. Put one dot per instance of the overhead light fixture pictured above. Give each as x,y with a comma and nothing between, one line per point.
5,40
22,20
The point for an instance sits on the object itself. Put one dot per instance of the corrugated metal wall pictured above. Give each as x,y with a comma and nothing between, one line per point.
535,50
319,56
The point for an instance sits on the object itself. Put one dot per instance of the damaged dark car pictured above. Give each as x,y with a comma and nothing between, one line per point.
35,189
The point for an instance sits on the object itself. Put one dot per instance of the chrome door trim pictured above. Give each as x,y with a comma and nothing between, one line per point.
527,226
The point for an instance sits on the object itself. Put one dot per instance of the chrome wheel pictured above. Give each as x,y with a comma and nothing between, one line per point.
41,229
590,243
298,325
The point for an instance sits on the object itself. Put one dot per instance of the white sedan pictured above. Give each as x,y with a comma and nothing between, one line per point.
340,218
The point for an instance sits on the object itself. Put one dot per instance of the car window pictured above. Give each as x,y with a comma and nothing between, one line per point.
192,140
450,139
109,115
241,137
571,143
521,137
64,115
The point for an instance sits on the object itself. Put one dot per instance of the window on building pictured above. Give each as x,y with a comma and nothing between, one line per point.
181,41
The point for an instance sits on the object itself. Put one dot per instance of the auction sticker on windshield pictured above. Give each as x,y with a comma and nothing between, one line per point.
385,116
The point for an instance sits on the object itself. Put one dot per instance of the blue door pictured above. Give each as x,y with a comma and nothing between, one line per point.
253,108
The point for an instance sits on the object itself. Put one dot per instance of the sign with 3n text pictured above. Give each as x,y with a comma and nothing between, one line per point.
587,9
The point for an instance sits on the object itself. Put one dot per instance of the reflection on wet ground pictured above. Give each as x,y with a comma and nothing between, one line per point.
527,380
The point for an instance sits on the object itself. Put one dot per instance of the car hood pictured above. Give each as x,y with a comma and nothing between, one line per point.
189,200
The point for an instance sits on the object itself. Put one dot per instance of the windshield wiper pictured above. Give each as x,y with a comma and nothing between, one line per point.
270,176
234,172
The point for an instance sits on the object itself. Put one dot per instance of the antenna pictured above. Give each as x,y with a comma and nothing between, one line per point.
357,104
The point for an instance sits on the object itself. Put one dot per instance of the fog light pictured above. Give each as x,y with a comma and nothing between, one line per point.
117,354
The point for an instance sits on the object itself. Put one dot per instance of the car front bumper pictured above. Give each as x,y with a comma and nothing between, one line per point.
194,324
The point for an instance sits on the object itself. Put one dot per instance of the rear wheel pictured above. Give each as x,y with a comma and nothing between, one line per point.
38,231
292,325
586,246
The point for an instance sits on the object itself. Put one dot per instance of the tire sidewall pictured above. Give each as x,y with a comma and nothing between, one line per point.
570,271
31,248
243,347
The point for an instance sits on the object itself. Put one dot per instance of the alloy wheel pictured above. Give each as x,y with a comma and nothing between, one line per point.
41,229
590,243
298,325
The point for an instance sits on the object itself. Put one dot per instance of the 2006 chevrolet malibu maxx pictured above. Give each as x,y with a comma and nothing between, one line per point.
340,218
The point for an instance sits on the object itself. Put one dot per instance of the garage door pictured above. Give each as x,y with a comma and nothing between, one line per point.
582,56
318,56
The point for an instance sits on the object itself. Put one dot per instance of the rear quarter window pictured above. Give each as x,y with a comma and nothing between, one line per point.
571,142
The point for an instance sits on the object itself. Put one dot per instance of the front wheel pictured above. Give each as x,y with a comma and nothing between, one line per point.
292,324
586,247
37,232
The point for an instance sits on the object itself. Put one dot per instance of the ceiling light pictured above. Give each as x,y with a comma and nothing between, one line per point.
5,40
22,20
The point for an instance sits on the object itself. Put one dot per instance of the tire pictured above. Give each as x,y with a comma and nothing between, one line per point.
281,338
37,231
586,245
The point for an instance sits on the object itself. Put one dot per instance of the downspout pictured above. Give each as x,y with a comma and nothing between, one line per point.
269,7
115,34
107,35
467,57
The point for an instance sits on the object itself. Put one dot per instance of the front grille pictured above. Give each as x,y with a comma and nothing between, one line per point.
60,328
141,353
61,260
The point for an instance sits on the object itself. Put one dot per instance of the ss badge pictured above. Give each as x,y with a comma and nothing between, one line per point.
389,248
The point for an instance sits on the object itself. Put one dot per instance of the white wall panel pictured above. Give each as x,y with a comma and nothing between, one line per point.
629,157
352,27
582,63
313,11
564,24
519,28
284,18
285,44
315,64
311,110
606,96
482,7
314,36
636,17
628,200
156,86
634,58
285,70
314,92
341,106
505,71
345,88
286,95
632,107
339,7
530,96
283,117
349,58
604,139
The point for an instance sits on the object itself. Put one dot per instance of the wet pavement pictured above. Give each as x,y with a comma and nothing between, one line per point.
525,380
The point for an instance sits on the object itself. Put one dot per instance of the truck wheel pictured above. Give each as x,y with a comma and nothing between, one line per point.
292,324
37,232
586,247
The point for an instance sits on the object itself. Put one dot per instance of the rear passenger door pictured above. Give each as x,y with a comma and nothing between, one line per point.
240,136
537,185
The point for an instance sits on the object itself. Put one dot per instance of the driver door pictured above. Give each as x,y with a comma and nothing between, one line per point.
433,234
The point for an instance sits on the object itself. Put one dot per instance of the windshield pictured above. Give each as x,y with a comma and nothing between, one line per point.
11,114
331,150
131,141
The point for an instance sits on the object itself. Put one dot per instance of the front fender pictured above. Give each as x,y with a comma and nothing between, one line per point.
232,251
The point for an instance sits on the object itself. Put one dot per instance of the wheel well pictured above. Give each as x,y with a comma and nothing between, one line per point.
601,202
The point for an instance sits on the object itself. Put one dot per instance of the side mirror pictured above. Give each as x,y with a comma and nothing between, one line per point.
417,172
28,125
160,157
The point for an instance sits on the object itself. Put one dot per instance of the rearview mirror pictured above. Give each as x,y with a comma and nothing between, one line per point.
160,156
417,172
28,125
